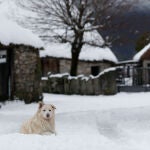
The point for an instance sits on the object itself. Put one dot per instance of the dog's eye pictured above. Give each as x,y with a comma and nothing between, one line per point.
44,110
49,110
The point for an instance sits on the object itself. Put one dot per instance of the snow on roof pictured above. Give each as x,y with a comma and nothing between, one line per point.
11,32
17,34
126,62
93,37
141,52
88,53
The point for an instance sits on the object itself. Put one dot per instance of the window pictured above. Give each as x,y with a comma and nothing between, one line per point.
95,70
3,55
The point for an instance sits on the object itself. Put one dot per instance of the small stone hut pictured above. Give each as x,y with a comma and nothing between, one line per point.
20,71
56,58
143,60
143,56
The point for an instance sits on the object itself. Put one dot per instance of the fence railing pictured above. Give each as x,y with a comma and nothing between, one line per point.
133,76
133,79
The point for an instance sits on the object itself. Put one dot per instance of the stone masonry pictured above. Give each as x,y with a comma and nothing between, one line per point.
26,74
62,65
84,67
64,84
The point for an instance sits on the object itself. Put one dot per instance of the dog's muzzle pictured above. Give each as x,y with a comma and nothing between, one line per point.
48,115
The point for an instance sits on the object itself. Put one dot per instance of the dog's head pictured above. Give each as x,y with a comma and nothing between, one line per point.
47,111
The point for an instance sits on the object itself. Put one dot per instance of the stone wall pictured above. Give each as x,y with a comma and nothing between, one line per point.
61,65
26,74
84,67
49,65
104,83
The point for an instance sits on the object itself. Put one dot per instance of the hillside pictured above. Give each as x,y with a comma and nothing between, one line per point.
137,22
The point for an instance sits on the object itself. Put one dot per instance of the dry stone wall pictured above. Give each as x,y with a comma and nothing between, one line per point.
105,83
27,74
84,67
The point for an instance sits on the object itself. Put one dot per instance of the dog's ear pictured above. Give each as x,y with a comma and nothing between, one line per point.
53,106
40,104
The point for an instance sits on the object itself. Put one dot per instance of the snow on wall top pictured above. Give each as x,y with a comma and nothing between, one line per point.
88,53
139,54
11,32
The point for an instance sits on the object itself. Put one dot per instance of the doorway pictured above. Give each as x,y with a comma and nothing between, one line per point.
5,74
95,70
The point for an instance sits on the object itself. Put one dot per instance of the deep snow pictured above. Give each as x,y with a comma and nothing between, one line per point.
120,122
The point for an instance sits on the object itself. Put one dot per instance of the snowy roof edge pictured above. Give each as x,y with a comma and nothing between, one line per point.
138,55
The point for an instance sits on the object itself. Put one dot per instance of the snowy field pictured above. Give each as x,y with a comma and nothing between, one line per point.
120,122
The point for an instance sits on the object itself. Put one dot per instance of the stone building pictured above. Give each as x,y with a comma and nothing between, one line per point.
134,75
143,60
56,58
20,71
143,56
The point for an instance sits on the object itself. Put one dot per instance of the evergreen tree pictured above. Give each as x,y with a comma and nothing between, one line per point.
142,41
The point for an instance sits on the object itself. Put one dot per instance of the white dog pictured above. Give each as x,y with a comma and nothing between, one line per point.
43,122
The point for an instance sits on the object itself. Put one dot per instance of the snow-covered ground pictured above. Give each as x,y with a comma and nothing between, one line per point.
120,122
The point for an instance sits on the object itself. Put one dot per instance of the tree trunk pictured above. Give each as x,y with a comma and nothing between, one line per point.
75,51
74,63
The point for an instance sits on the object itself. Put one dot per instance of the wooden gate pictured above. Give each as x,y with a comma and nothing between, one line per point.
4,75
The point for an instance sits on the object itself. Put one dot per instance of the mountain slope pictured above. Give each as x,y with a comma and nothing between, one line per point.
137,22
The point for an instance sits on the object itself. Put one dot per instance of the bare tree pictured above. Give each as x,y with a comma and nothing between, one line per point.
70,20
